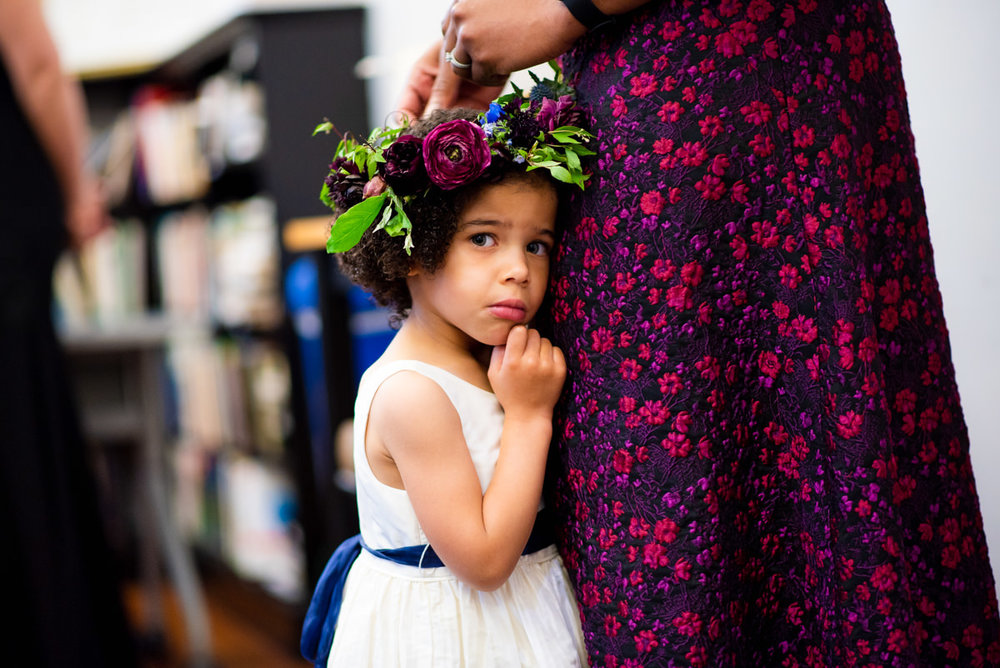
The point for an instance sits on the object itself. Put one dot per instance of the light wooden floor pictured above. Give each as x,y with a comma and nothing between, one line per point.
235,642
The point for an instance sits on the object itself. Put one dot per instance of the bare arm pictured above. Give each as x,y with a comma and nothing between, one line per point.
54,105
478,536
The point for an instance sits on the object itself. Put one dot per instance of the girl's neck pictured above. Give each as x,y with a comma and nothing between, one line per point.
467,359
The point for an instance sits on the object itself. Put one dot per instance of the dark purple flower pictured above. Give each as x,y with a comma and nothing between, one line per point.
523,127
556,113
345,183
403,168
455,153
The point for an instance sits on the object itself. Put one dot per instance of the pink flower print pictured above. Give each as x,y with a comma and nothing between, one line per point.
691,274
671,30
638,527
670,384
759,10
644,84
618,106
906,401
692,154
711,126
592,259
665,530
622,461
645,641
590,594
757,113
727,45
711,187
803,137
789,276
652,203
629,369
884,578
676,444
769,364
679,297
654,555
849,424
611,626
663,269
688,623
670,112
662,146
602,340
624,283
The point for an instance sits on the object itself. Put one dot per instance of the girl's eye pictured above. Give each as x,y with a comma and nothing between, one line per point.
538,248
481,239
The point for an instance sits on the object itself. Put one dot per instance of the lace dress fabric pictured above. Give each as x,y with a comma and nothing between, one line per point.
761,458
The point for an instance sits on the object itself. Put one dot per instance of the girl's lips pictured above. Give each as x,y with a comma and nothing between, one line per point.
508,310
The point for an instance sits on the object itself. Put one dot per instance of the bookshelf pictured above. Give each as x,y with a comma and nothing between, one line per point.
209,165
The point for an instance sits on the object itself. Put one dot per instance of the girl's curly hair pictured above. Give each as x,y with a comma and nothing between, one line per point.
379,264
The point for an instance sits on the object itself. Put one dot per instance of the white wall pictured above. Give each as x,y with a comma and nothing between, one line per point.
951,73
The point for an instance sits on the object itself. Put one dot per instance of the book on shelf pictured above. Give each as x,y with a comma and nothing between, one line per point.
103,283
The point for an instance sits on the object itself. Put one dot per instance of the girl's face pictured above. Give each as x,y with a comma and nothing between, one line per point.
496,270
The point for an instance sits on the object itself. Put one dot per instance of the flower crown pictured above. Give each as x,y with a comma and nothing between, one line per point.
375,179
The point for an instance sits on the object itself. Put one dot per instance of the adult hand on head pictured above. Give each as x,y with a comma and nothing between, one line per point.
433,85
488,40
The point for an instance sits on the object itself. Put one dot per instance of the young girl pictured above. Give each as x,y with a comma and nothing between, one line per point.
453,566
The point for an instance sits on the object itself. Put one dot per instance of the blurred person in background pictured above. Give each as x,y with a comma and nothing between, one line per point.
62,593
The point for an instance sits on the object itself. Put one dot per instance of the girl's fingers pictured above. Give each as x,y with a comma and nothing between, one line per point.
517,339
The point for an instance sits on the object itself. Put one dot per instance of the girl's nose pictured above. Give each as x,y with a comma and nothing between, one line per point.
516,269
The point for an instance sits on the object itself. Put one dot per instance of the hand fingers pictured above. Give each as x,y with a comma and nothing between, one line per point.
496,361
517,339
417,90
533,345
444,90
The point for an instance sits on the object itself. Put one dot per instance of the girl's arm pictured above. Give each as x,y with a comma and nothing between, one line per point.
478,536
54,105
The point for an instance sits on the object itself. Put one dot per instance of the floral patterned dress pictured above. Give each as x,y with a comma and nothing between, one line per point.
761,458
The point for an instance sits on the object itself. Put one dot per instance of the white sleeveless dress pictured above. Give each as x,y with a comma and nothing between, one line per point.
398,616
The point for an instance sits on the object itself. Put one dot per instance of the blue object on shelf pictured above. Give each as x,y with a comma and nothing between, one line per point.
369,328
302,292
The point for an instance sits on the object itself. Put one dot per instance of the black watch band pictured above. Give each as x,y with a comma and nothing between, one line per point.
587,13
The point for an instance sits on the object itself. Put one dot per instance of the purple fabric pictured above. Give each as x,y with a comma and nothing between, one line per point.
761,458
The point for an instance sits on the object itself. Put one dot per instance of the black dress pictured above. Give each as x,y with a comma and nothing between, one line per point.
61,592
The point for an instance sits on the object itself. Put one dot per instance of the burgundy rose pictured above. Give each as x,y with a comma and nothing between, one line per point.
455,153
403,168
556,113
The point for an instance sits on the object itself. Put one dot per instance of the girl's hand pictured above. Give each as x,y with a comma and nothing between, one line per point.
497,38
527,374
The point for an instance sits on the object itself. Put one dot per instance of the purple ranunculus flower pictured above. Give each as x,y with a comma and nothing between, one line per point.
345,183
556,113
455,153
403,168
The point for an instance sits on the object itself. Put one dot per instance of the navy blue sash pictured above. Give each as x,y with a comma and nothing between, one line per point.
324,608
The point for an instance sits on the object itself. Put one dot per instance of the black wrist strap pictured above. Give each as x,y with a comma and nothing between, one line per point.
587,13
